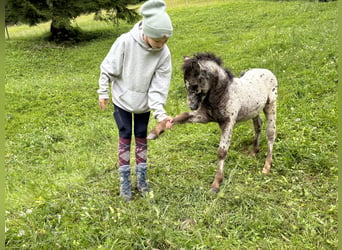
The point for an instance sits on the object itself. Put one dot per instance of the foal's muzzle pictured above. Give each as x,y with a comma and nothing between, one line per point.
193,106
194,101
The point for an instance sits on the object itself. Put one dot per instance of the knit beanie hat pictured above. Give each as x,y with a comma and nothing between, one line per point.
156,22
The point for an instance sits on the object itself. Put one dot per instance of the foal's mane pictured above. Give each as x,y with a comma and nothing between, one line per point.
206,57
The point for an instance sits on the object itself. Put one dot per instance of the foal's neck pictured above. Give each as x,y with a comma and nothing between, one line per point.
224,78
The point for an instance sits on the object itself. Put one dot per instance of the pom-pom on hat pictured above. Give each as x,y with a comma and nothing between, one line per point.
156,22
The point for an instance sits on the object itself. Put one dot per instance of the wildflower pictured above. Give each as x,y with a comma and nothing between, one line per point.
21,233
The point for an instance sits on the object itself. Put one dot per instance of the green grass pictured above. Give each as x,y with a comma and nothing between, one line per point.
61,164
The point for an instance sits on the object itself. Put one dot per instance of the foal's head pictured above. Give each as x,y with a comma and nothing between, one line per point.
201,73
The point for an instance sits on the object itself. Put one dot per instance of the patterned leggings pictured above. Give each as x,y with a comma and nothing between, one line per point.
124,121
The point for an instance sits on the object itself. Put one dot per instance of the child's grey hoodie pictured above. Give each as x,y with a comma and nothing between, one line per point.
140,75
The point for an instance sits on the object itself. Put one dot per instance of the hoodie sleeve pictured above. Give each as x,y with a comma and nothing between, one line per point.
111,67
159,89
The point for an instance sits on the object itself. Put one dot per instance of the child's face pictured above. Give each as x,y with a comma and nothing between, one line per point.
156,43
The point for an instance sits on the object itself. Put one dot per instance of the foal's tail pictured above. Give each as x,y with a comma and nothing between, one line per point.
242,73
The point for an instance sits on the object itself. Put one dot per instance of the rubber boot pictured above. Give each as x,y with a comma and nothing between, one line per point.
125,182
142,185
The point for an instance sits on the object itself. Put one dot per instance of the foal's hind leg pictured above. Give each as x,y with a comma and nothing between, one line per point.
257,122
270,113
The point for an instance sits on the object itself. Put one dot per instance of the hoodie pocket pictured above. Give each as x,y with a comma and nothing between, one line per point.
136,101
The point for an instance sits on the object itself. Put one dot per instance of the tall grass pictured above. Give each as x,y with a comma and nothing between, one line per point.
61,164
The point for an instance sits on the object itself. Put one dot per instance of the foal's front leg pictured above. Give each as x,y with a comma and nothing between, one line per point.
226,134
161,126
184,117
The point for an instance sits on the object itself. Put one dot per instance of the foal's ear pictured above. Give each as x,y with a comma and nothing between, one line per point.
185,58
196,67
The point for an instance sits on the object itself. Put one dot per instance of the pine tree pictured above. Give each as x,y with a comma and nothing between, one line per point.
61,12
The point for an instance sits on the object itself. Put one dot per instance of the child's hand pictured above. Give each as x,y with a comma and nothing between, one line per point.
169,122
104,103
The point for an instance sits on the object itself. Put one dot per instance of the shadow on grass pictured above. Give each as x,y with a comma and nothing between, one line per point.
77,37
80,37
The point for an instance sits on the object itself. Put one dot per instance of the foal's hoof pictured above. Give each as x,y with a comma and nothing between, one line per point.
152,136
265,170
214,190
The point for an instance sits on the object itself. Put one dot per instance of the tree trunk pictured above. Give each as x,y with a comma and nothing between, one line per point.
8,37
61,30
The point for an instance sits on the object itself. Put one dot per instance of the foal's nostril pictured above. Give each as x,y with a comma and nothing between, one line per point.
192,103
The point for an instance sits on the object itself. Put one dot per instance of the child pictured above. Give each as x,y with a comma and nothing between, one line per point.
138,66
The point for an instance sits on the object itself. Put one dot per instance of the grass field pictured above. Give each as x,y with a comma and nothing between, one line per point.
61,164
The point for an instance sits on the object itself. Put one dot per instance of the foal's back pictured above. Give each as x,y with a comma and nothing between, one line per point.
252,92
